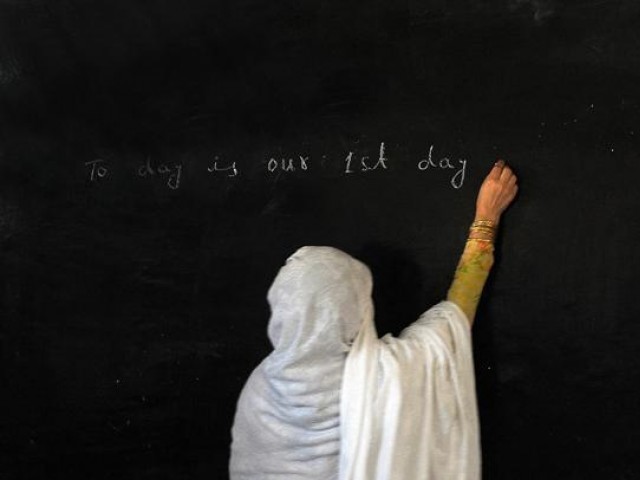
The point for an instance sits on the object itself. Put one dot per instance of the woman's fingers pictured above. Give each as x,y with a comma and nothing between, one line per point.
506,173
514,192
497,169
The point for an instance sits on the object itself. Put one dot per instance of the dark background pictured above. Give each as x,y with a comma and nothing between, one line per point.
131,313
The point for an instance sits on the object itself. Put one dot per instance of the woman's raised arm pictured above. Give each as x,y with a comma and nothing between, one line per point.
496,193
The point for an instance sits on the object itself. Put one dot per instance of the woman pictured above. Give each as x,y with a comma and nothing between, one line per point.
332,401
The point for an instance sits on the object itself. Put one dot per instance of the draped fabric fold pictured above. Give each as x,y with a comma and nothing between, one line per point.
408,404
332,401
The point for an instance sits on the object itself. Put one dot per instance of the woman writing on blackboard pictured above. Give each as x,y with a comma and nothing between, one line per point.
333,401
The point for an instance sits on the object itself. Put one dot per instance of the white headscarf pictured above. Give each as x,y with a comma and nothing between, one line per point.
332,401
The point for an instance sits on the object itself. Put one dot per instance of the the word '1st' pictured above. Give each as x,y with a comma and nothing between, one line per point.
365,164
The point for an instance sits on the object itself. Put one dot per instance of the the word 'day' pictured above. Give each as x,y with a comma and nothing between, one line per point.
444,163
172,173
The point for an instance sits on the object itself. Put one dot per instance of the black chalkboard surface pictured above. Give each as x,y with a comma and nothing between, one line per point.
160,160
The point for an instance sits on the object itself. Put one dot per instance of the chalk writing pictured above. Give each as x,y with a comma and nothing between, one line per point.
354,163
287,164
444,163
364,164
173,174
97,171
232,169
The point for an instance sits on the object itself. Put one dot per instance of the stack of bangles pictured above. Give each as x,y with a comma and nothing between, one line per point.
483,230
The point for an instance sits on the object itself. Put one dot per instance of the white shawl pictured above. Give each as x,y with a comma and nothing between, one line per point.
332,401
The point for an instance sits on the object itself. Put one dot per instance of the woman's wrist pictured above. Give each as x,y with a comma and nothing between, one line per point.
484,227
492,217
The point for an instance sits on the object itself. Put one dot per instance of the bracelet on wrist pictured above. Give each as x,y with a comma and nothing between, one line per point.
483,230
484,223
487,240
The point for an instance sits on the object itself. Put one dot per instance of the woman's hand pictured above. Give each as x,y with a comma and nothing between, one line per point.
496,193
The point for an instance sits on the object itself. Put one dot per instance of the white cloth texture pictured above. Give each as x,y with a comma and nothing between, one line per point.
335,402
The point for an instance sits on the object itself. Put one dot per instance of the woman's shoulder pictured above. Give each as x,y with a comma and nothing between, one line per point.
438,328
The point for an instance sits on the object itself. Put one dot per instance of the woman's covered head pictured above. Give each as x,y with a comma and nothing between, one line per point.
319,300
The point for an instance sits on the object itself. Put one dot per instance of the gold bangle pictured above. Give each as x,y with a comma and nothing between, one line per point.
483,228
482,233
482,223
484,220
480,239
478,231
473,237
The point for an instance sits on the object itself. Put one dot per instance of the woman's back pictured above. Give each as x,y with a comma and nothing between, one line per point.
287,423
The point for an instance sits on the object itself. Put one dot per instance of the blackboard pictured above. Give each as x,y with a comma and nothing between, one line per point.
160,160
